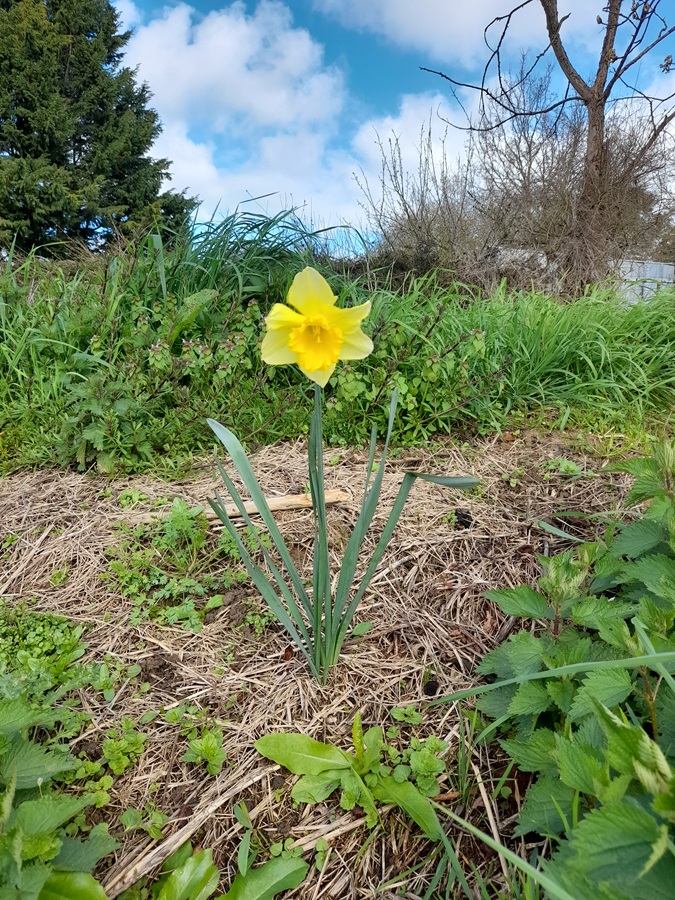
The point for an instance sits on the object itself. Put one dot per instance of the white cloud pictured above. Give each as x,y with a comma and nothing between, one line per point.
249,109
451,33
247,105
230,69
406,134
130,14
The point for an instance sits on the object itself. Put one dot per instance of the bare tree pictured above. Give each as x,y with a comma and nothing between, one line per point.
502,210
426,218
630,31
530,170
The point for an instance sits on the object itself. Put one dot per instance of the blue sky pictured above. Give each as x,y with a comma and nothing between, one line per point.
288,97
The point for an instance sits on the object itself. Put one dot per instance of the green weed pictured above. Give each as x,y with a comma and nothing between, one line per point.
172,571
587,700
123,746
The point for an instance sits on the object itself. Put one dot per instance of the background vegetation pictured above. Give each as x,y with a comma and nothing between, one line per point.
75,129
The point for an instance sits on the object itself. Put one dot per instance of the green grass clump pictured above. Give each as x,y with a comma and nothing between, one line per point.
118,362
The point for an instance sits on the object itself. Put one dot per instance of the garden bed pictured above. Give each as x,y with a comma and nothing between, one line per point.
430,625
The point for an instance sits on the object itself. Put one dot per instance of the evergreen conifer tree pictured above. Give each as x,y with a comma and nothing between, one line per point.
75,128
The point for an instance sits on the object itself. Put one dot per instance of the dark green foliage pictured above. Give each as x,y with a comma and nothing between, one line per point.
75,128
40,854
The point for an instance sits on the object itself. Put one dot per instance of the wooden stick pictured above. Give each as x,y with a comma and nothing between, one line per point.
290,501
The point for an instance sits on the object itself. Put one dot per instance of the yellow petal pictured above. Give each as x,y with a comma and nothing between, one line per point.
275,350
280,316
356,346
348,320
310,292
321,376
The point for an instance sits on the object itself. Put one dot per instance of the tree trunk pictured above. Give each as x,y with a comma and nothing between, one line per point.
587,258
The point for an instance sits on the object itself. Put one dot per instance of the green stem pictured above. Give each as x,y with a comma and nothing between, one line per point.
322,624
649,699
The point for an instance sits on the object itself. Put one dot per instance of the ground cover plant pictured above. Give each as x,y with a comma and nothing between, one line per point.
172,571
45,849
119,361
588,703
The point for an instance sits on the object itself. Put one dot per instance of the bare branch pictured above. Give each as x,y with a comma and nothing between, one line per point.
636,59
612,176
553,26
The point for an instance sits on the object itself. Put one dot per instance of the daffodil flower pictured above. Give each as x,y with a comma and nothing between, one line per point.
315,334
312,333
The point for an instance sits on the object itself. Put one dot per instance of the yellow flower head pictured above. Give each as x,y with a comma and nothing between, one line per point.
318,334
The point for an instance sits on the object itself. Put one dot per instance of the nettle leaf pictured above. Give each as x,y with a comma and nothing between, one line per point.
665,716
638,538
535,754
496,662
659,847
546,802
316,788
33,879
522,601
33,764
646,486
606,574
664,804
265,882
525,653
596,612
609,687
589,731
581,887
656,572
614,844
78,855
301,754
616,633
581,766
15,715
495,703
47,814
405,795
530,699
562,693
656,618
574,647
631,751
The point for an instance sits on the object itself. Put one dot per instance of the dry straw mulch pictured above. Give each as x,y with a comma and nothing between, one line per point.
430,622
